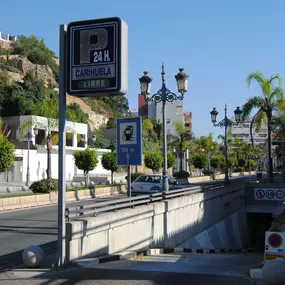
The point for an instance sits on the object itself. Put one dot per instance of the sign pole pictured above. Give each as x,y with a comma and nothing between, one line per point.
61,148
129,182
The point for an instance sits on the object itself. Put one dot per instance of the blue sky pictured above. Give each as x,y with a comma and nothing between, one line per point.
218,42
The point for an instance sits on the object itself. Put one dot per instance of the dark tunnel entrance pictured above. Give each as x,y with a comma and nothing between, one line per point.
258,224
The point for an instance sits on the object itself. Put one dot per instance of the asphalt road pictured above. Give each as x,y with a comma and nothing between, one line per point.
19,229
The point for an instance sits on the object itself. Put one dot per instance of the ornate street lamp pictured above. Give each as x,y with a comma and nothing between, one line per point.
226,123
164,95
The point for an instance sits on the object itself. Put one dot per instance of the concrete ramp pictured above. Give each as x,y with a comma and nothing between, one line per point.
230,233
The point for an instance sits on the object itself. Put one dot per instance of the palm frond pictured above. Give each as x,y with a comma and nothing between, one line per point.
260,119
278,77
252,103
258,77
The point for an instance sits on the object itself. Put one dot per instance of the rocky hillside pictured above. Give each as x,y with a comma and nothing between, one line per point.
18,66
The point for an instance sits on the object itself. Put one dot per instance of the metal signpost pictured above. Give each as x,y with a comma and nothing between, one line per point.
93,62
129,144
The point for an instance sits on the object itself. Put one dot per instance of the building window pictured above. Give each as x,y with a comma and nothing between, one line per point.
179,110
187,125
80,140
69,139
168,121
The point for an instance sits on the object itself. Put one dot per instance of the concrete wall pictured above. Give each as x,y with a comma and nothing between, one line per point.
163,224
38,164
230,233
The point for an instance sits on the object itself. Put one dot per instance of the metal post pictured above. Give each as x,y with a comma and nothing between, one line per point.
164,172
129,182
163,99
226,147
61,148
28,163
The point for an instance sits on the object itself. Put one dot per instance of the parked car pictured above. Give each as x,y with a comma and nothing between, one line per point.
152,183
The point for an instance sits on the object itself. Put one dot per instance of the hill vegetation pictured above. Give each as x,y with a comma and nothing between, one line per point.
29,75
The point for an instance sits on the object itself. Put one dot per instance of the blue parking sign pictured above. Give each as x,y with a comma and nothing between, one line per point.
129,141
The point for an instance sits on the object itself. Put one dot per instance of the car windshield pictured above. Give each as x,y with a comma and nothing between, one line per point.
148,179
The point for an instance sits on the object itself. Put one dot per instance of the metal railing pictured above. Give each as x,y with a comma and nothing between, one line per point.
93,209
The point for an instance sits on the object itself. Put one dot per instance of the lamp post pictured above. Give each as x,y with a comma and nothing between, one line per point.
226,123
164,95
29,136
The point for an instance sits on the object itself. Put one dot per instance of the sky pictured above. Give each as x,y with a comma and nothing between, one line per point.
217,42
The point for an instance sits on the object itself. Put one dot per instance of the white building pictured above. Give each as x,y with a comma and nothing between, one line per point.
76,140
174,112
242,131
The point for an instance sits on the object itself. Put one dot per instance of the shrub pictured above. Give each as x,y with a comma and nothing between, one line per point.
208,172
45,186
181,174
134,176
7,153
153,160
200,160
38,56
170,160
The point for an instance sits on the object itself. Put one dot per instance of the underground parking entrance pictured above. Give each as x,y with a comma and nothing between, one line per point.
258,224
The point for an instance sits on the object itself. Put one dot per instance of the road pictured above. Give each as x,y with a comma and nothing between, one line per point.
22,228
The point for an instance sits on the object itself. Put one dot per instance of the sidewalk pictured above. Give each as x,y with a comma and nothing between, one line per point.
87,276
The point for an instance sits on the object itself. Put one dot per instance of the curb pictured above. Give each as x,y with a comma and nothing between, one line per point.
189,250
86,262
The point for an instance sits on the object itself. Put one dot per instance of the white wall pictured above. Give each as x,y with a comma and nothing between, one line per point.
38,164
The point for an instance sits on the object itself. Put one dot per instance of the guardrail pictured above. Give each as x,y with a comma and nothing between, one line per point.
93,209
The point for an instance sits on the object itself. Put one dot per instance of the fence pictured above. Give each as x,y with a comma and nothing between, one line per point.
92,209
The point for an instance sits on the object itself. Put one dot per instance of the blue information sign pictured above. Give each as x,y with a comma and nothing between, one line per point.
129,141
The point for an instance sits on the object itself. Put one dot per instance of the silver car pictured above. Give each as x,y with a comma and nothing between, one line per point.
152,183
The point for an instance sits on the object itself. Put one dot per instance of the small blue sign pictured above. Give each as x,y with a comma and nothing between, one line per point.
129,141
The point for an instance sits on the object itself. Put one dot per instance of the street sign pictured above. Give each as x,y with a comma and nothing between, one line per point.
272,194
97,57
129,141
274,245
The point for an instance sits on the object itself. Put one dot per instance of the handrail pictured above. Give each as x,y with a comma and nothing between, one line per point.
89,210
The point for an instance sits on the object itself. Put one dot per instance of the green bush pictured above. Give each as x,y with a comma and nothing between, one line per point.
134,176
45,186
208,172
181,174
38,56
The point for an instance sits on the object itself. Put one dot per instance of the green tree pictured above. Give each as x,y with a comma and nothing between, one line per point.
272,97
149,136
74,113
215,161
170,160
109,162
153,160
182,139
7,153
200,160
86,160
49,109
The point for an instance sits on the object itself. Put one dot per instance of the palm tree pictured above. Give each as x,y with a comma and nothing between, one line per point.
47,108
279,120
182,139
272,98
